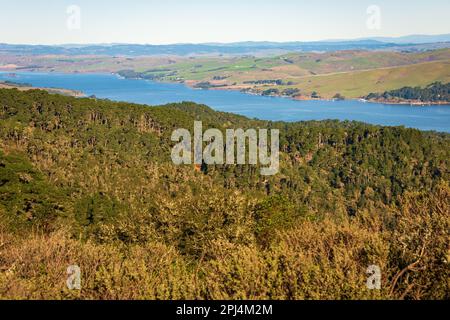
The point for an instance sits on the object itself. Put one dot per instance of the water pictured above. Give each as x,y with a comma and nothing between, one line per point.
110,86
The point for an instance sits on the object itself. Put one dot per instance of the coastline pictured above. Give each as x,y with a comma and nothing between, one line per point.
244,89
307,98
247,90
61,91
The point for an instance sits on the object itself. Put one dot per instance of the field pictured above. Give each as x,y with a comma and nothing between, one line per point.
359,83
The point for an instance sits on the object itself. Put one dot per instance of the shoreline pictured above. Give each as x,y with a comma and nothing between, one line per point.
191,84
306,98
61,91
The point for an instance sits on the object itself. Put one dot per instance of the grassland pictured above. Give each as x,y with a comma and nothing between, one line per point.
356,84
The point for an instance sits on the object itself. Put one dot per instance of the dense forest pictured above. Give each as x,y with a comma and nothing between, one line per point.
91,182
435,92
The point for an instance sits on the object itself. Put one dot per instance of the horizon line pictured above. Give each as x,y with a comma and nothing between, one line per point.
374,38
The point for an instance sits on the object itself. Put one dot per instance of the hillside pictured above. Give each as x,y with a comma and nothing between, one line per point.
360,83
91,182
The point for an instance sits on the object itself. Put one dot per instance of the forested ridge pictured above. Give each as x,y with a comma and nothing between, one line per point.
433,93
91,182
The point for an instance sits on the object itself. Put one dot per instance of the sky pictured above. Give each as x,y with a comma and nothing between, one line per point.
203,21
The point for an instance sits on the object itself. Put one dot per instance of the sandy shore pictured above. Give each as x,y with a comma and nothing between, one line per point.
66,92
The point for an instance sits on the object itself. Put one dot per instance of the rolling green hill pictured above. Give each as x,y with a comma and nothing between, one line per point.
90,182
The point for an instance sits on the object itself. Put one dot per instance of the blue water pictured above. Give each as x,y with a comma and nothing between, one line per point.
267,108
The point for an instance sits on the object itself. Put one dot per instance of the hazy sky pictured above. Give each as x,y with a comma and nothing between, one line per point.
196,21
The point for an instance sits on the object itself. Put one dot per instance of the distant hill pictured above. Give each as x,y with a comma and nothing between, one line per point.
416,39
192,49
240,48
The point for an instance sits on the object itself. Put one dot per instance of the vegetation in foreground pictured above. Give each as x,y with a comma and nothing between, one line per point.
90,182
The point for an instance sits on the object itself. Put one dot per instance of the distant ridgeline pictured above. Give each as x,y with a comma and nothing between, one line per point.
94,179
189,49
434,93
